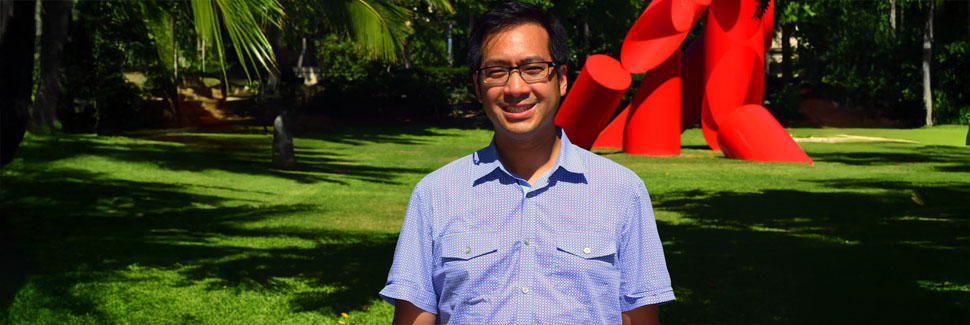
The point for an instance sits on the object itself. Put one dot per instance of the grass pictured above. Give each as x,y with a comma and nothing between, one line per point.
192,227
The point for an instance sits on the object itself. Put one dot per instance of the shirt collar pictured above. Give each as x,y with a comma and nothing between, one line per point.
489,166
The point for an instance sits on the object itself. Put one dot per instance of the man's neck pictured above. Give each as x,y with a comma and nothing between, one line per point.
528,158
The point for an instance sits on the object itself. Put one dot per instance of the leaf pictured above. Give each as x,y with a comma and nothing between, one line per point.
241,19
379,27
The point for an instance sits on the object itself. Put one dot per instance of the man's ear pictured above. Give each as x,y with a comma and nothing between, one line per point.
478,88
563,84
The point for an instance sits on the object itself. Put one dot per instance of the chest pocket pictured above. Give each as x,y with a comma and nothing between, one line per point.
588,247
467,246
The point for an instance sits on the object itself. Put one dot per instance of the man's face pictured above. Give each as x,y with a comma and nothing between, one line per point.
520,109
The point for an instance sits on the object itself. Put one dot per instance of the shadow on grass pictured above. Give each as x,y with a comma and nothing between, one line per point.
354,136
786,256
68,226
233,153
946,158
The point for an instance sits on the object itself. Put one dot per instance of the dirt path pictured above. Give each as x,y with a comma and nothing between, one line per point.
851,138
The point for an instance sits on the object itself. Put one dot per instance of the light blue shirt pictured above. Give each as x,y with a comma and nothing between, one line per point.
480,245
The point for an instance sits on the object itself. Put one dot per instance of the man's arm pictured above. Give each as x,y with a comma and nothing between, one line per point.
407,313
643,315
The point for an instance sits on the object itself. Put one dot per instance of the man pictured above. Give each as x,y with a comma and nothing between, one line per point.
530,229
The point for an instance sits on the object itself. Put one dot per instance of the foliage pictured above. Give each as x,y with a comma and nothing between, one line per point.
951,64
174,226
106,40
243,21
785,105
355,86
361,88
847,51
338,60
378,28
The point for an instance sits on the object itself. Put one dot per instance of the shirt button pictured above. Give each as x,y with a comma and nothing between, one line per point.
525,241
586,250
525,290
469,249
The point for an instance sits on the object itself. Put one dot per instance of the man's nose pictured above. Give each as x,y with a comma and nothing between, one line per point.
516,86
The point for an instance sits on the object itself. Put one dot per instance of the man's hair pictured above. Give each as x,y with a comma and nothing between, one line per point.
511,14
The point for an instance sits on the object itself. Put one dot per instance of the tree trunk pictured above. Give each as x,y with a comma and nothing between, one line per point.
786,54
283,157
927,59
407,53
284,55
6,12
892,16
17,67
451,58
56,17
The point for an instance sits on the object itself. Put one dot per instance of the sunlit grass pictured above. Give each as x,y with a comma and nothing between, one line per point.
194,227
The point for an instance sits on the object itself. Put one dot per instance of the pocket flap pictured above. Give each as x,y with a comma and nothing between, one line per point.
586,246
467,246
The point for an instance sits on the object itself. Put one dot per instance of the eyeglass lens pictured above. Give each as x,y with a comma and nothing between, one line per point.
529,72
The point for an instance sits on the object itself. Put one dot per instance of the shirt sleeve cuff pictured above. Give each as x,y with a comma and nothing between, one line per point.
419,298
635,301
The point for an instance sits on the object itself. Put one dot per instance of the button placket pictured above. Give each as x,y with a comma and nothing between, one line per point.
529,220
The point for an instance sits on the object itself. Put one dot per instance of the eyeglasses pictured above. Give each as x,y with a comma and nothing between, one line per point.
530,72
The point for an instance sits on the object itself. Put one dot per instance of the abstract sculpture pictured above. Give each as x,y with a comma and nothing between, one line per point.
612,135
653,124
691,83
592,99
718,78
750,129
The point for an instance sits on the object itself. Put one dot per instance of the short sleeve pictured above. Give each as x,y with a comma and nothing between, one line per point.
410,276
643,270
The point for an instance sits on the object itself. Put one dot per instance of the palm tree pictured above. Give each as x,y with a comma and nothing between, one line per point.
379,26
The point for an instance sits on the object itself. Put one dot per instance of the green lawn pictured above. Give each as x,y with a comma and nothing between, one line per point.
192,227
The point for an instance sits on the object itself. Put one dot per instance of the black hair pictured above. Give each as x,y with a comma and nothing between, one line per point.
513,14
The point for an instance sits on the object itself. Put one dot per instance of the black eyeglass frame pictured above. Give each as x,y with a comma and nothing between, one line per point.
509,69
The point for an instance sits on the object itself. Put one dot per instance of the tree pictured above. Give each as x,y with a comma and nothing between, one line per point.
380,28
17,54
927,61
55,19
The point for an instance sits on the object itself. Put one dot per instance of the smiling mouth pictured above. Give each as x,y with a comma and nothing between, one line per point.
517,108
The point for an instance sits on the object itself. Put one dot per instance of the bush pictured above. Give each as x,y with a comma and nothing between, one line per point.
395,92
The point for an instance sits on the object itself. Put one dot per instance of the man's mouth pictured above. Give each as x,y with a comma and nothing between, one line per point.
519,108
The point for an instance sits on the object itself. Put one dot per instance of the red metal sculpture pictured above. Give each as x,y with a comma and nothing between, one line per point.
719,78
612,135
656,34
653,127
691,83
751,133
592,99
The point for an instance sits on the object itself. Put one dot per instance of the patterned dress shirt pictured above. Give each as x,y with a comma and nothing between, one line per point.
480,245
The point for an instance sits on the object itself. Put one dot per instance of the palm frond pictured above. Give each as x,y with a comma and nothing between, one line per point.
207,28
380,28
241,18
443,5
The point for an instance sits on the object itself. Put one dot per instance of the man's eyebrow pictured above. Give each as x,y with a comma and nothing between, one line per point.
502,62
533,58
